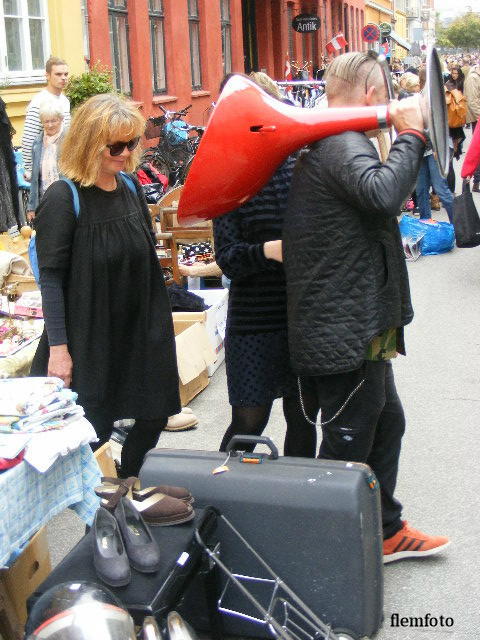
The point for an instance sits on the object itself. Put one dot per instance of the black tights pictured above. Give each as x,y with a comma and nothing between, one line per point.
300,438
142,437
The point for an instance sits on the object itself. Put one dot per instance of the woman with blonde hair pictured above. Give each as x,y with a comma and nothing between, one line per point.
109,332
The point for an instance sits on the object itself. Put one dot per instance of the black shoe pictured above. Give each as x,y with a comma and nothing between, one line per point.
109,557
476,187
142,550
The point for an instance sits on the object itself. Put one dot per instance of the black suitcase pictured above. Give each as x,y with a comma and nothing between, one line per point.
315,522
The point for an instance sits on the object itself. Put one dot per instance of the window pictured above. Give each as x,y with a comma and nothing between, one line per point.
118,21
23,40
226,27
194,30
157,44
291,47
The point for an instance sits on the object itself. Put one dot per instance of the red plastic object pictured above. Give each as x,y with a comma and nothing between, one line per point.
248,136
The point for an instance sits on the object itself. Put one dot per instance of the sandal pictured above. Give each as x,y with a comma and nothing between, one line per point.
110,485
162,510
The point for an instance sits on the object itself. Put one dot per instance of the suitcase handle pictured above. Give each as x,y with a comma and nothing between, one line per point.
234,443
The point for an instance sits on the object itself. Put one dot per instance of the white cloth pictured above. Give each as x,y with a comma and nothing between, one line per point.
23,396
45,447
12,263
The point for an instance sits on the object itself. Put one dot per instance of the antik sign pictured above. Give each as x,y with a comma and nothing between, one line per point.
306,23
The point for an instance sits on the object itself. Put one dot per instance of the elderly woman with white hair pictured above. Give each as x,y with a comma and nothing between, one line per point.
45,154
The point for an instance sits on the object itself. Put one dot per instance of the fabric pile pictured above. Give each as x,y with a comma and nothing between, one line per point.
44,409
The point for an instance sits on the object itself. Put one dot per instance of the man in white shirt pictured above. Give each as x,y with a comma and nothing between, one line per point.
56,71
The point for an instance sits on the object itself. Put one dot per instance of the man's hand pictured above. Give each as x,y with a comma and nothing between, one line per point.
60,363
27,175
30,216
407,114
273,250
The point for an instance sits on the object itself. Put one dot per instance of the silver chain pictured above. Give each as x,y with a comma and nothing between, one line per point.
352,393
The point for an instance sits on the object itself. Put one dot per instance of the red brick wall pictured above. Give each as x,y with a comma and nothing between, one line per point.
177,52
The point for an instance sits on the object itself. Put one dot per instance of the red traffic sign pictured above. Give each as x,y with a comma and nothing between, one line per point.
371,32
385,48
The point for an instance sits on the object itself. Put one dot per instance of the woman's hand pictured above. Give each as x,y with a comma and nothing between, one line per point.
60,363
30,216
273,250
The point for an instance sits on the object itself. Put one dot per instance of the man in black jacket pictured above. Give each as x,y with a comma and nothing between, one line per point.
347,286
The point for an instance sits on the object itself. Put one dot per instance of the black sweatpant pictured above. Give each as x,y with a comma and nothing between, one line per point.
142,437
368,430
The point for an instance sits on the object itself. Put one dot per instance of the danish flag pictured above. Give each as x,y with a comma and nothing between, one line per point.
336,43
288,69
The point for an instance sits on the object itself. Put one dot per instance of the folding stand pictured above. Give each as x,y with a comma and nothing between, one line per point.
269,600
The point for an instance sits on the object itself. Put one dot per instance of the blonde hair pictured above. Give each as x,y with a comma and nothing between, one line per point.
346,74
267,84
410,81
101,120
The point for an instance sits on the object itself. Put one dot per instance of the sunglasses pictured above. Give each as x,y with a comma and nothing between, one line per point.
116,148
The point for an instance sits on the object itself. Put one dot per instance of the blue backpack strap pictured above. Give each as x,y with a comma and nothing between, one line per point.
129,182
74,190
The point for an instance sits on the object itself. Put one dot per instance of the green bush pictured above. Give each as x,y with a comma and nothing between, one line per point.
91,83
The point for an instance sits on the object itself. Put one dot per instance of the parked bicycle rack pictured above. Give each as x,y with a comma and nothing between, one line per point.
274,604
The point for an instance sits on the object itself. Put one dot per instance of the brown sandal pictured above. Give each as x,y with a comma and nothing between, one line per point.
110,485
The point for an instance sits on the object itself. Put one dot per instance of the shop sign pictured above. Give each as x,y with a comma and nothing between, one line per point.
371,32
385,28
306,23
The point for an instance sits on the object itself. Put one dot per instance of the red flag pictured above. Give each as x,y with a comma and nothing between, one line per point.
288,69
336,43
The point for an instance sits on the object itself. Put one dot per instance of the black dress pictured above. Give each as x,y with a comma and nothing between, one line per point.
256,343
118,318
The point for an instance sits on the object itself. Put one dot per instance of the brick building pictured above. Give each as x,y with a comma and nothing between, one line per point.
176,52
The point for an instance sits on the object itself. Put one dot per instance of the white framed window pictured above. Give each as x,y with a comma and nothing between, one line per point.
194,31
157,45
24,40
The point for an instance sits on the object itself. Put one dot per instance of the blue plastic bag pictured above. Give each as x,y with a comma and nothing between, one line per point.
436,237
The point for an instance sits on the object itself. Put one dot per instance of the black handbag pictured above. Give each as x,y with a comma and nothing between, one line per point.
466,220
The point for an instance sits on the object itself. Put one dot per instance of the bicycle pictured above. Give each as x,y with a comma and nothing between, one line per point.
176,147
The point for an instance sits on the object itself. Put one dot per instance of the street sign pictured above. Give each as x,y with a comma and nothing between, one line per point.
371,32
385,48
306,23
385,28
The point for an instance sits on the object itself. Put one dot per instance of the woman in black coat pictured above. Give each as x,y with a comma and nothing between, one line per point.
107,314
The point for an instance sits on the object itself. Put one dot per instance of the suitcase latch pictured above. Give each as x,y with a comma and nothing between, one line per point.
252,458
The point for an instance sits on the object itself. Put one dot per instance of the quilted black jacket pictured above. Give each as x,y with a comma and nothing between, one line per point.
345,268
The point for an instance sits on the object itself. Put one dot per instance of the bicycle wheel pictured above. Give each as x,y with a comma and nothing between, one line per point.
182,175
157,160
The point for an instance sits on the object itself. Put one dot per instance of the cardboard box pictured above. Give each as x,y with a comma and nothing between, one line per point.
194,355
27,572
10,628
105,461
214,319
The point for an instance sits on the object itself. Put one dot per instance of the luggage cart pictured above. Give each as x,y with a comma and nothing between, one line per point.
268,600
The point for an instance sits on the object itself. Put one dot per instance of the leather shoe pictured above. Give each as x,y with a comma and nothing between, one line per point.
109,556
476,187
142,550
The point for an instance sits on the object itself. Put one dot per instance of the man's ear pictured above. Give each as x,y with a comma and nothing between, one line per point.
370,96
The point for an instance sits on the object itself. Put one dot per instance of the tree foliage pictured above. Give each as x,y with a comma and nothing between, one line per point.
441,37
91,83
464,32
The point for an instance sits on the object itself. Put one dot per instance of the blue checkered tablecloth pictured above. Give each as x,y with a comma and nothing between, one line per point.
29,499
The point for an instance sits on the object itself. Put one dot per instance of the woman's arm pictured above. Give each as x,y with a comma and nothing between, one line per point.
55,225
236,257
